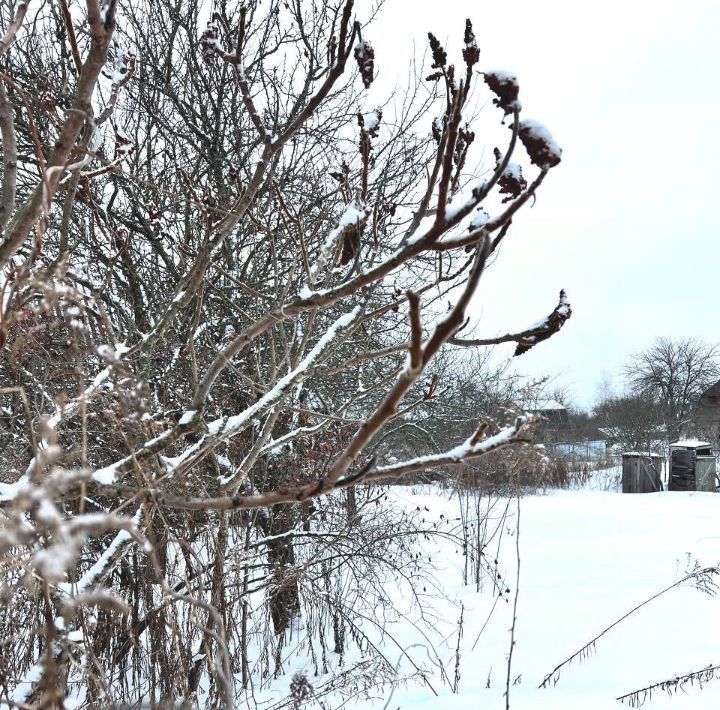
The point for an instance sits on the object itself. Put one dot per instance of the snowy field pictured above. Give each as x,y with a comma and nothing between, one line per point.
587,557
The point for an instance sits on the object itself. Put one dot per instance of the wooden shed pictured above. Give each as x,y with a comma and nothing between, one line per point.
641,473
692,466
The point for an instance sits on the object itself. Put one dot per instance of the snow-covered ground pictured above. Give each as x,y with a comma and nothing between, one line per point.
586,558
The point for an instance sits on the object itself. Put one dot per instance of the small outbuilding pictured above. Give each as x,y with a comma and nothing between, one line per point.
641,473
692,466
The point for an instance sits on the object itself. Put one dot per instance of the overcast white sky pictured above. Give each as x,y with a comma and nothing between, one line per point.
627,224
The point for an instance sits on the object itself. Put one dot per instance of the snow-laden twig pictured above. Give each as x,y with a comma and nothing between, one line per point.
531,336
468,450
353,216
70,409
227,427
636,698
704,579
105,563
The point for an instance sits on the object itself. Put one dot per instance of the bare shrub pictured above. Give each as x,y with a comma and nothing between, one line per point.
225,280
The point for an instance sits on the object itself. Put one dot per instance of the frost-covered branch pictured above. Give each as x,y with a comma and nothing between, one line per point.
230,288
516,434
528,338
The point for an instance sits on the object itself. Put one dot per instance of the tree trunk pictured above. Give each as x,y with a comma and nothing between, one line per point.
285,594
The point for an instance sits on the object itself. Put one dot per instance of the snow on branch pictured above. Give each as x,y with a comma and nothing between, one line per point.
530,337
702,577
365,58
67,534
105,563
518,433
637,698
539,144
469,449
505,86
227,427
273,261
348,228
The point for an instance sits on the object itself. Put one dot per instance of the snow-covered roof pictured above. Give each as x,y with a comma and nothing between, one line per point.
691,443
637,453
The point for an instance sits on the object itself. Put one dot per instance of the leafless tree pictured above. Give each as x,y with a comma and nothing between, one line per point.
219,263
674,372
633,421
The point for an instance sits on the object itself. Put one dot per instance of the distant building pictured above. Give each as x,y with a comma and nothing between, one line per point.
566,434
551,410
